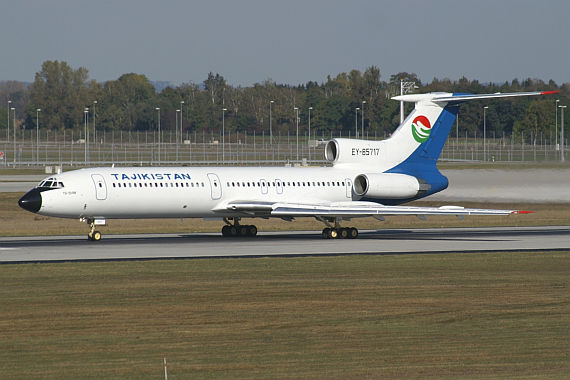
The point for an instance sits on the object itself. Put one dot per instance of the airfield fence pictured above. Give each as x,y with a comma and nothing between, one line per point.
70,149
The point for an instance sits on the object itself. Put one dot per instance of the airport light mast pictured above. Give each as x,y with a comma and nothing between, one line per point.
562,133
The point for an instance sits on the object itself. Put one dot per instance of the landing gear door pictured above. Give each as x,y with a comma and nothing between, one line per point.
100,186
215,186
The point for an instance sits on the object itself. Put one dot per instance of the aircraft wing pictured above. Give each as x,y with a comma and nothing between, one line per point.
347,209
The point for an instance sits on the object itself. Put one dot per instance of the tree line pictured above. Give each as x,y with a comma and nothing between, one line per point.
336,106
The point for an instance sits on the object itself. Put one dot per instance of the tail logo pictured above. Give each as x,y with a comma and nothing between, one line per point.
421,129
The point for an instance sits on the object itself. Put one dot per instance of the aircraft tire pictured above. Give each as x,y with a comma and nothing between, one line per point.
252,231
334,233
326,234
352,233
343,233
96,236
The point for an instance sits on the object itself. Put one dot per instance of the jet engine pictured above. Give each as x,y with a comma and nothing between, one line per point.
348,151
388,186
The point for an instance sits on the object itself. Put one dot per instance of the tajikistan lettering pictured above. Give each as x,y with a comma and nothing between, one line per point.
150,176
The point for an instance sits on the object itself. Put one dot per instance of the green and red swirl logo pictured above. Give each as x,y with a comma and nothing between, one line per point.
421,129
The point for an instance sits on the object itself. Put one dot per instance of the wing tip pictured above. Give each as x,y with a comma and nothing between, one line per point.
517,212
549,92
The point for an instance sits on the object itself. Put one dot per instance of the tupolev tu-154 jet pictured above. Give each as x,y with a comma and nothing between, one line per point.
366,178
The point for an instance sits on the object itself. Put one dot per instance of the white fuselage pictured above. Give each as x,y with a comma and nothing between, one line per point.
186,192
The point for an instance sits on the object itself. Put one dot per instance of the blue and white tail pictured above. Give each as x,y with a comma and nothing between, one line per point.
415,146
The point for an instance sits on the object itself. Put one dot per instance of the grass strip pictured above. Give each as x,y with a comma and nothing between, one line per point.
475,315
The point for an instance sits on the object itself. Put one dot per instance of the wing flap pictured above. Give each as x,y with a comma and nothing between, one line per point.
349,209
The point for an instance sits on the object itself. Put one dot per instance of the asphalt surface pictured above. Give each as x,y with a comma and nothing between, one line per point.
294,243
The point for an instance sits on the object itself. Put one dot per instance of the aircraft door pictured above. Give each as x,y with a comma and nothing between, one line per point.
263,186
279,186
348,186
215,186
100,186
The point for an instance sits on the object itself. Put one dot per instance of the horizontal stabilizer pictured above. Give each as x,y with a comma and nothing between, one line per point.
446,97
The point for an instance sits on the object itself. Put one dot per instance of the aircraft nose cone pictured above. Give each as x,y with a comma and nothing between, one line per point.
31,201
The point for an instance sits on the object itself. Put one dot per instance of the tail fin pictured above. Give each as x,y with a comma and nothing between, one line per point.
417,143
424,132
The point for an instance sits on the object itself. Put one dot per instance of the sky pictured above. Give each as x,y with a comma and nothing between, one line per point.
289,42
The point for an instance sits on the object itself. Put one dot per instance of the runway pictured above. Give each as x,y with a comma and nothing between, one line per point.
284,244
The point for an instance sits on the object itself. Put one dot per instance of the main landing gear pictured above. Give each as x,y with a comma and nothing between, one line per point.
237,230
338,232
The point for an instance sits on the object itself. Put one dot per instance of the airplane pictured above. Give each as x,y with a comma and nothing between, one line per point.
365,178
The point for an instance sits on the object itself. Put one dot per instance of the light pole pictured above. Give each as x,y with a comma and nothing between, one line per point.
8,130
181,120
356,121
485,133
85,112
14,129
362,133
94,131
556,127
177,111
270,123
224,134
562,133
38,135
309,141
405,87
158,110
297,120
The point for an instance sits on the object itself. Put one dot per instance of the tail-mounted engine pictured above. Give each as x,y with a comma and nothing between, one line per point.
389,186
348,151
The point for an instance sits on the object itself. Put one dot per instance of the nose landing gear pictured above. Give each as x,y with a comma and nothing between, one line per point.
94,235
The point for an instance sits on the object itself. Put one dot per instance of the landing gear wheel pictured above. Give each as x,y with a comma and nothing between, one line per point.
343,233
334,233
252,231
352,233
96,236
234,229
326,234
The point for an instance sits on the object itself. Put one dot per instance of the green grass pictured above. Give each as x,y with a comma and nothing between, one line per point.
433,315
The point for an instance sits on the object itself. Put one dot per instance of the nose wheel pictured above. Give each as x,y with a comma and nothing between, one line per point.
93,234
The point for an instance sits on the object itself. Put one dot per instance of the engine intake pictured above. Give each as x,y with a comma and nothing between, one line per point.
348,151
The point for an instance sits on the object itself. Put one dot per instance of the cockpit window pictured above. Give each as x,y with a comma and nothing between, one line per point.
51,183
